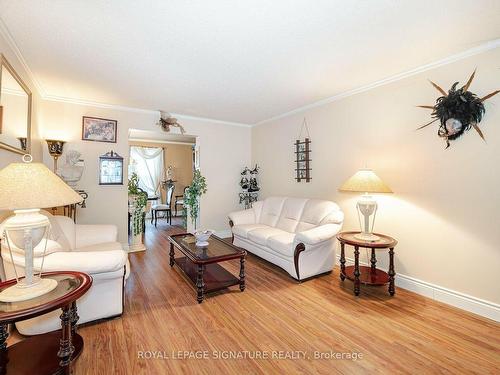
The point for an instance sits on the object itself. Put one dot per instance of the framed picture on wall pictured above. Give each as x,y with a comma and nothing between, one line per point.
99,129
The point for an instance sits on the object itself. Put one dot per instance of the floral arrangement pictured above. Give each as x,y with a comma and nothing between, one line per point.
197,188
140,199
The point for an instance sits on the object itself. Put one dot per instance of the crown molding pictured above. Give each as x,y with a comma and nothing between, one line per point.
212,120
117,107
5,33
90,103
492,44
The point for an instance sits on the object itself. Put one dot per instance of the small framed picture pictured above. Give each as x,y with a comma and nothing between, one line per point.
99,129
110,169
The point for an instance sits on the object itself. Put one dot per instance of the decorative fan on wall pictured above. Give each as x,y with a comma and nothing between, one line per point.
458,111
167,121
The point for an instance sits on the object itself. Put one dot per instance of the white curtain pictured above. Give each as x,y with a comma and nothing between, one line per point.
147,162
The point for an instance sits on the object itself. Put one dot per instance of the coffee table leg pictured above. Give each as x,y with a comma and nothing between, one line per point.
342,261
392,273
242,273
356,270
66,347
200,285
172,255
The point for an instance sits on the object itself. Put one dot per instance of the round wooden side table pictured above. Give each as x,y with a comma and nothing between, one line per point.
49,353
363,274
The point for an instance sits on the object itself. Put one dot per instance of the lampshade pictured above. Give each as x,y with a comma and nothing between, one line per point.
365,181
33,185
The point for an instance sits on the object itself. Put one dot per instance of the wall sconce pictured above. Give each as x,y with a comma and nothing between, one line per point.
23,141
55,150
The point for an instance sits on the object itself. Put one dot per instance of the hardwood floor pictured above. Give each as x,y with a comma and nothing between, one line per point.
404,334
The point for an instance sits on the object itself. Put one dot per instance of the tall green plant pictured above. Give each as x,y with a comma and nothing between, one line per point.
141,199
193,194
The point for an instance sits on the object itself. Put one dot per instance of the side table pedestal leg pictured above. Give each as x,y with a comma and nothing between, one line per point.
356,270
66,347
392,273
342,261
4,359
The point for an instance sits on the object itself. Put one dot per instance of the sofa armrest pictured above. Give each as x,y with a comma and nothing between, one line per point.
242,217
87,235
318,234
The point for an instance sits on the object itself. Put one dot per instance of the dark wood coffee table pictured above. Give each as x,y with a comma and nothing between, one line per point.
49,353
200,264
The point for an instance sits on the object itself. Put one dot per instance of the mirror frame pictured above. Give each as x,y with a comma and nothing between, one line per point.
5,64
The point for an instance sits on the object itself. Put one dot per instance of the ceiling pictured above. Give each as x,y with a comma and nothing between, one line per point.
232,60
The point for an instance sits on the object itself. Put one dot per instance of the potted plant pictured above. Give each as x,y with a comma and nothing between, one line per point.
137,200
192,196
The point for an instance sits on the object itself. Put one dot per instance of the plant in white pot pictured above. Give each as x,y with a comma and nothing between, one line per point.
137,200
192,196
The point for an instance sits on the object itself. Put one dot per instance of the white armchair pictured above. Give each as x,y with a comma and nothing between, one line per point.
297,235
92,249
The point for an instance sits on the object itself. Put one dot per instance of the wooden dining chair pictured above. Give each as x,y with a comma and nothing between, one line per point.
179,200
163,207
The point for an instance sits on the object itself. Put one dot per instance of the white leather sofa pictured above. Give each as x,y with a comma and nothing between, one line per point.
295,234
92,249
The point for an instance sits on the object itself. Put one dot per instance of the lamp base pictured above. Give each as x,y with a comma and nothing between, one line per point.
22,292
369,237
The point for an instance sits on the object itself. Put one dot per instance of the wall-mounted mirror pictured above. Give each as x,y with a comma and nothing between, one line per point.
15,110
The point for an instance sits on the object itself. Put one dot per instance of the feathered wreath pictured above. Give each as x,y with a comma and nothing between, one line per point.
458,111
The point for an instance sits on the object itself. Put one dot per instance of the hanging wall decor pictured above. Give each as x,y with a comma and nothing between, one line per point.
303,155
110,169
167,121
457,110
249,186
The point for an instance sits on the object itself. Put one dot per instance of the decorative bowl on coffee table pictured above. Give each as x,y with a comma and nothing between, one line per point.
202,237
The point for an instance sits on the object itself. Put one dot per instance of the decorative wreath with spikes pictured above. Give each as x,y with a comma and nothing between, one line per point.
458,111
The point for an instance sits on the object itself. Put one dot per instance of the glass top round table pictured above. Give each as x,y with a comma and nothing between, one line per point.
51,352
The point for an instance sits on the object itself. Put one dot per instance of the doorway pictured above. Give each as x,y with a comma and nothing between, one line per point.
164,164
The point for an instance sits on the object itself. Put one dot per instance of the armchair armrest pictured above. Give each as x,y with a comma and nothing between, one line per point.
242,217
318,235
89,262
87,235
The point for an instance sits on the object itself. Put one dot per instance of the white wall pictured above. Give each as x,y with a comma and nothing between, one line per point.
446,208
224,150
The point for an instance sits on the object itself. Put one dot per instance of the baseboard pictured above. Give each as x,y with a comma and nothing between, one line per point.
224,233
463,301
128,249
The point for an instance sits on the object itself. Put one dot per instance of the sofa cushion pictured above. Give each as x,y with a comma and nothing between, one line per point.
314,212
290,214
271,211
243,229
260,235
282,243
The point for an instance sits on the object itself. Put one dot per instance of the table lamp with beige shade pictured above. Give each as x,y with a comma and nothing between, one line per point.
25,188
366,181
